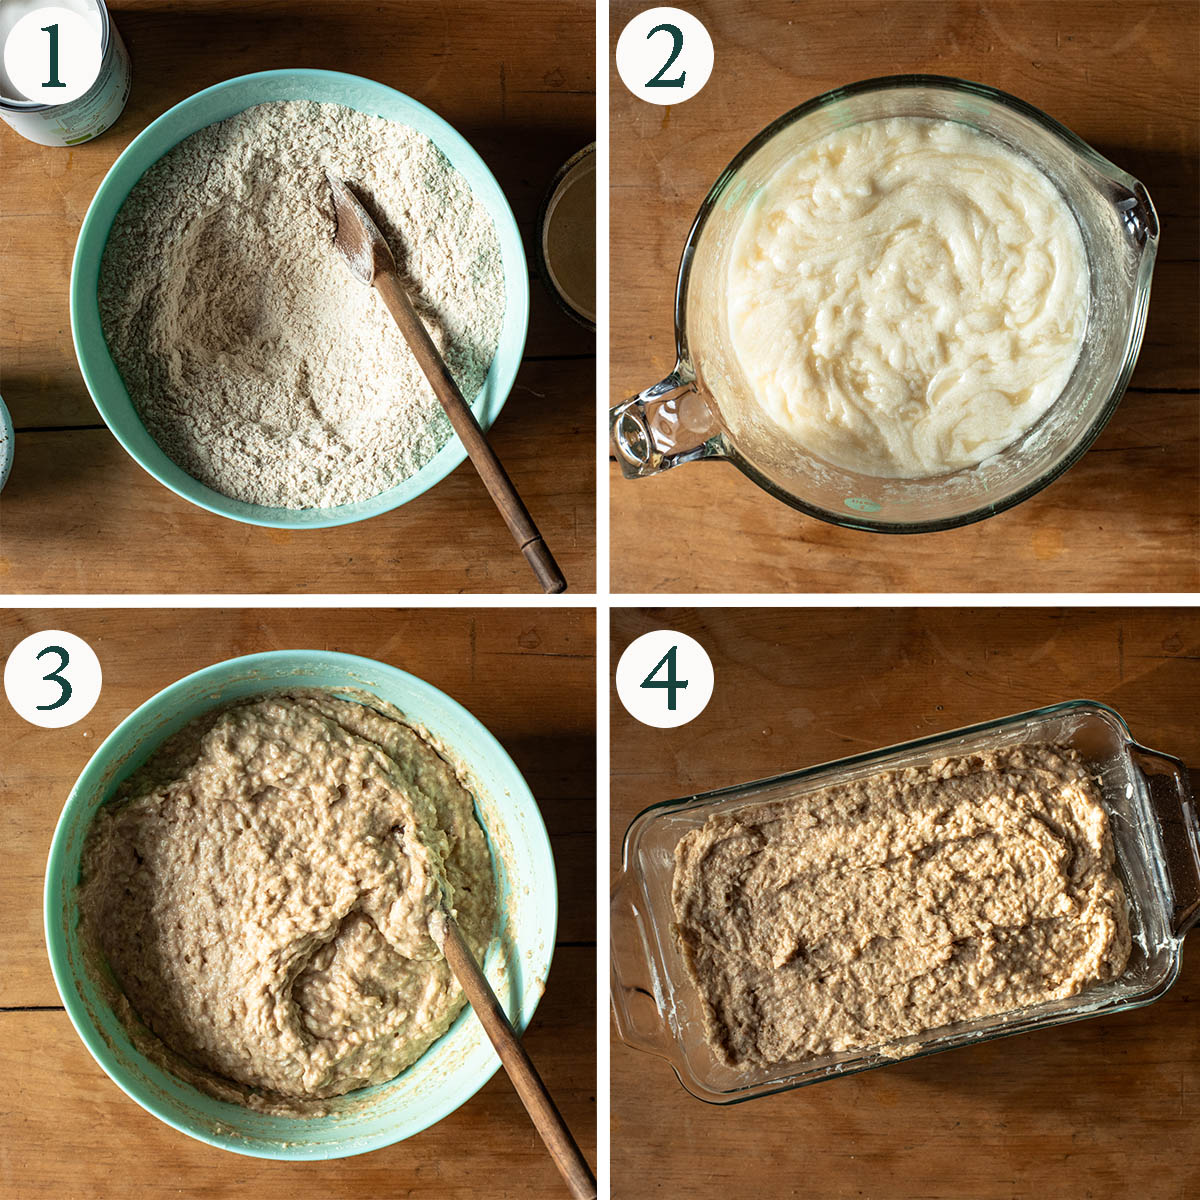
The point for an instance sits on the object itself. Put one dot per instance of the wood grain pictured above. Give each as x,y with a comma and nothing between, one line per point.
70,1133
78,515
479,450
1105,1107
528,675
523,1075
1127,517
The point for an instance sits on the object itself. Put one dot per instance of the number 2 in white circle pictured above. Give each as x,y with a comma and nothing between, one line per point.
664,55
659,80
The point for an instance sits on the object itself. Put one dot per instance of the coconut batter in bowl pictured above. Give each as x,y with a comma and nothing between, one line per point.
907,297
870,911
261,891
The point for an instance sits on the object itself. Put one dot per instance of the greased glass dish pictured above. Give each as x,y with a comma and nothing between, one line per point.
1156,833
705,409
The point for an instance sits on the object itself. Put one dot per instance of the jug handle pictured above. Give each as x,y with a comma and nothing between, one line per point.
667,424
1173,800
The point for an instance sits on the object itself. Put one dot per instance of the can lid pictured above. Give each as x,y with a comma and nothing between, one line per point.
12,100
567,236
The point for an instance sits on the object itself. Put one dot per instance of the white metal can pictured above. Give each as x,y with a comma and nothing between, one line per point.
89,115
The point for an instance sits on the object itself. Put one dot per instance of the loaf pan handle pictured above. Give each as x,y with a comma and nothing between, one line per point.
637,993
1174,802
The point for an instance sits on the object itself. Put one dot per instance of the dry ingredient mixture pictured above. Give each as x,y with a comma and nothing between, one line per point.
907,297
261,891
253,357
899,903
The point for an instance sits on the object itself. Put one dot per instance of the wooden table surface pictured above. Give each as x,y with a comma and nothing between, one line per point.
1103,1108
1122,76
67,1132
78,515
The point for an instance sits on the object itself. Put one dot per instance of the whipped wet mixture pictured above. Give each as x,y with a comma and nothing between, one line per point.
899,903
907,297
262,889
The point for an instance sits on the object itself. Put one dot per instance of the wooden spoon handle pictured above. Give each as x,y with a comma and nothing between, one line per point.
542,1110
490,469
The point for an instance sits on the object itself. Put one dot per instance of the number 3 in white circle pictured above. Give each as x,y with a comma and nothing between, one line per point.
664,55
665,679
52,679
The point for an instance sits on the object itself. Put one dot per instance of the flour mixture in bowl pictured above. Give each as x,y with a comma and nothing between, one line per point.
261,891
907,297
900,903
253,358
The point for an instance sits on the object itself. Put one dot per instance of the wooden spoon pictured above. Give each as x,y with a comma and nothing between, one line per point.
370,260
527,1083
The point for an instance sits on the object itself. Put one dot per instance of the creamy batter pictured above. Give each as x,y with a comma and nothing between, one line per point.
899,903
906,297
262,890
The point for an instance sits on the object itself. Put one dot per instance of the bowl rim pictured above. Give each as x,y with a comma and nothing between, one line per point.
463,1084
84,301
721,445
8,443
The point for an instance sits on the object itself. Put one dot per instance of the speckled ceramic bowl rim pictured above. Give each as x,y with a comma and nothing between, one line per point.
282,668
108,390
8,443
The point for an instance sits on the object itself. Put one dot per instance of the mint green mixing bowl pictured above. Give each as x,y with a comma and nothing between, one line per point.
460,1062
217,103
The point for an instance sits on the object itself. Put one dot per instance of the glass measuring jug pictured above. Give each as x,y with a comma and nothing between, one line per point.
705,409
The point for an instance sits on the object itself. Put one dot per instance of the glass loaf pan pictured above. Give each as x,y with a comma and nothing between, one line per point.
1153,817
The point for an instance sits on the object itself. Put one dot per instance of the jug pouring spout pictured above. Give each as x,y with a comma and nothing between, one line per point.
663,426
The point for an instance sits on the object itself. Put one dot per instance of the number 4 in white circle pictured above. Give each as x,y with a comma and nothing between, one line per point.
665,678
671,683
52,679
